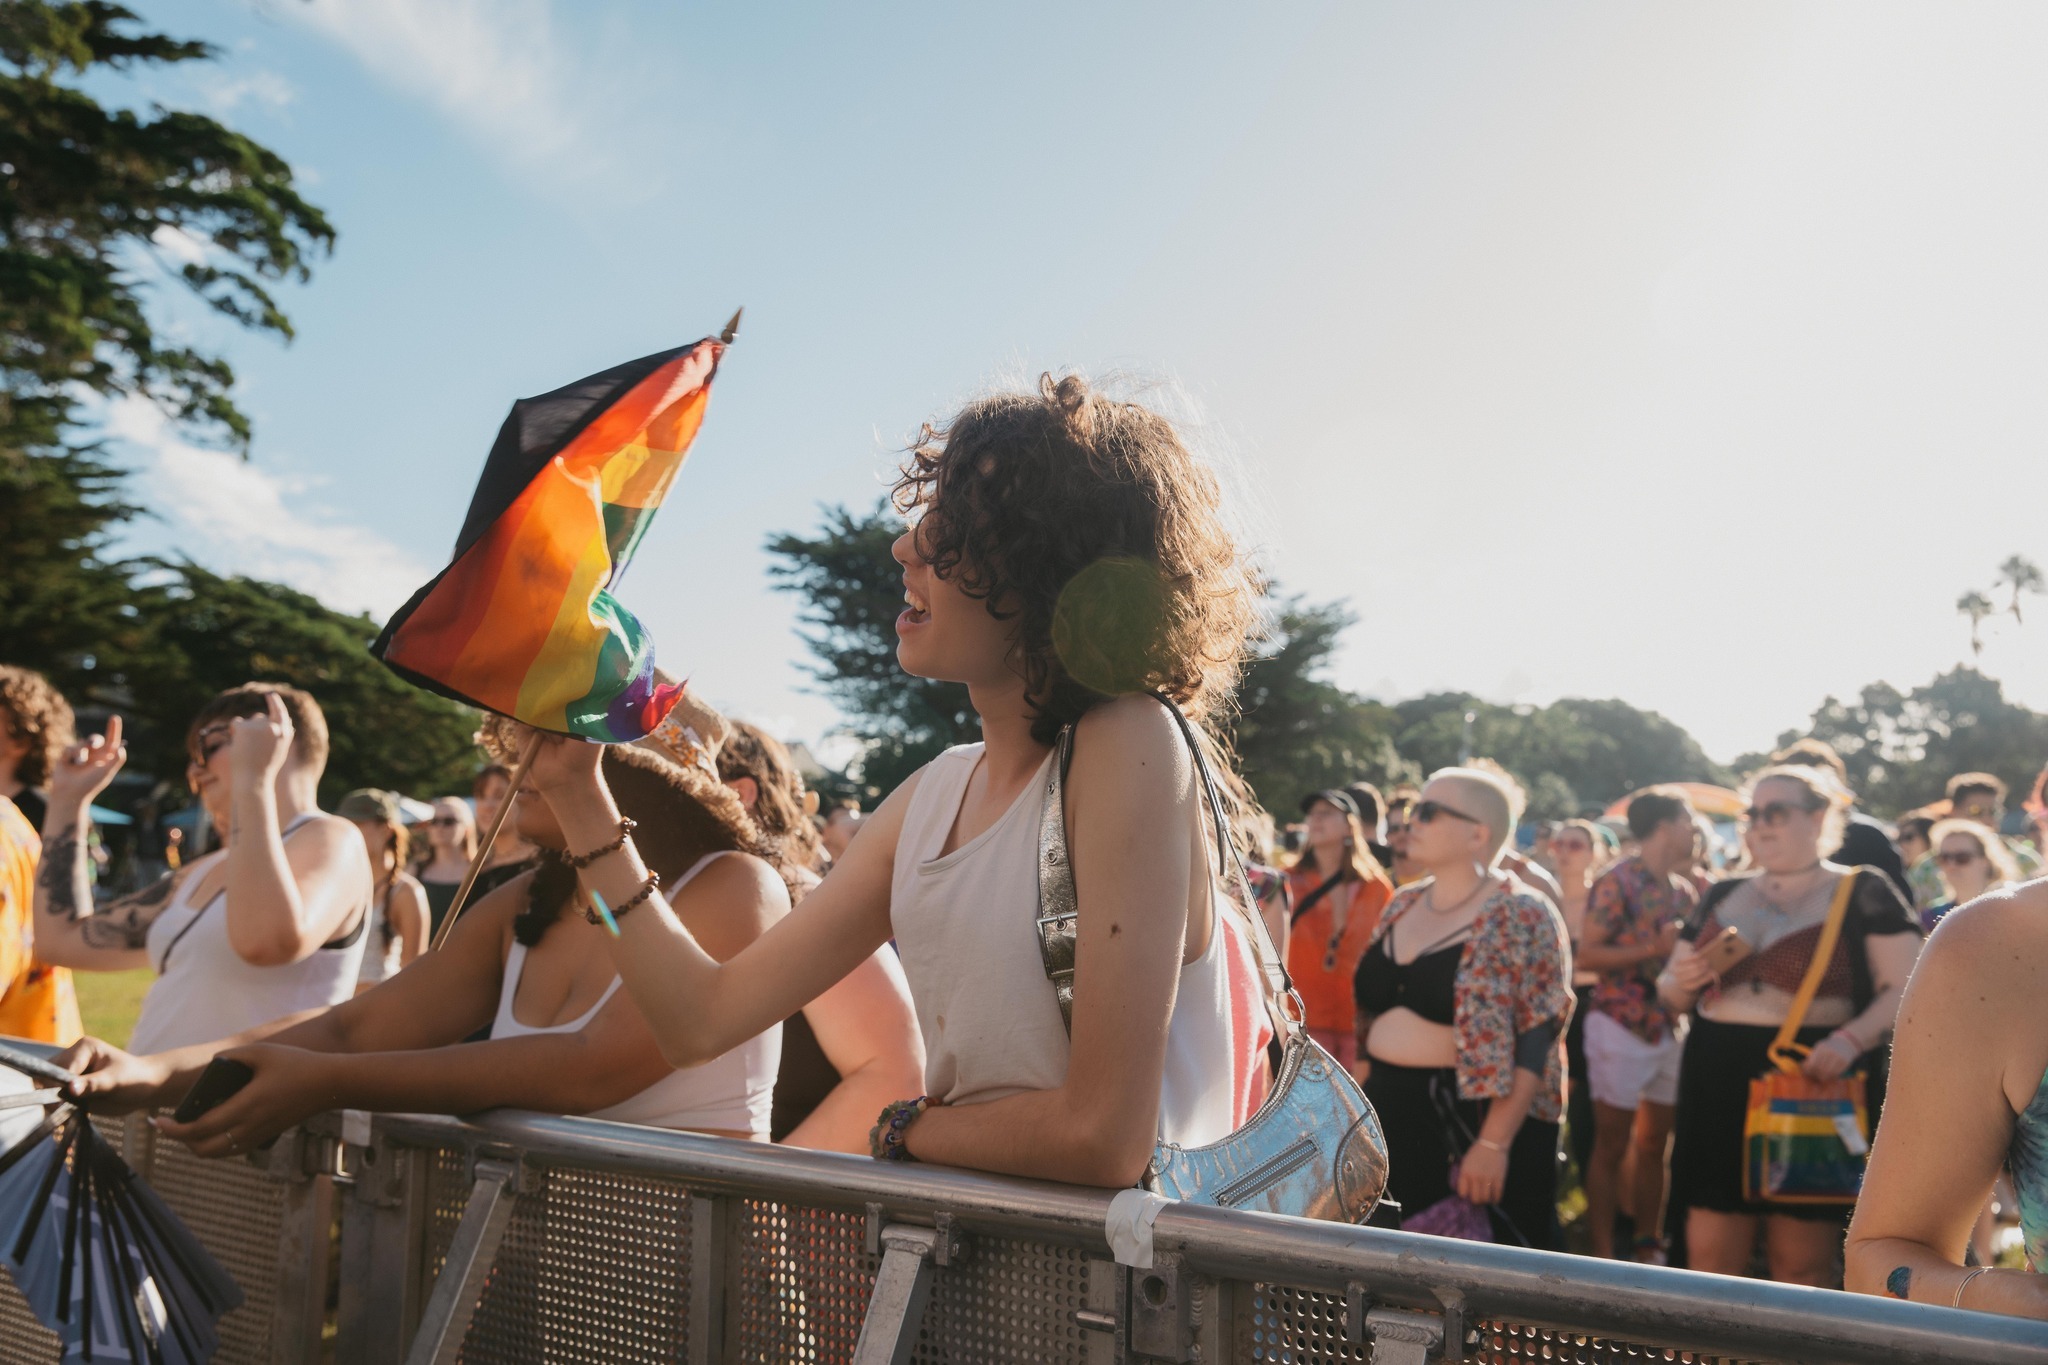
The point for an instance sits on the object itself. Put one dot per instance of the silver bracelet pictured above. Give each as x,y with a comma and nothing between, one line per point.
1965,1284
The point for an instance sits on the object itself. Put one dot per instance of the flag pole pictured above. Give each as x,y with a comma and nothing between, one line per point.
483,851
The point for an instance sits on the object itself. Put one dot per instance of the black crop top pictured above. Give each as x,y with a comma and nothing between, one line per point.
1426,985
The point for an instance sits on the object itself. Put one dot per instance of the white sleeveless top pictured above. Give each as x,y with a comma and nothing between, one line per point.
966,927
734,1091
204,989
380,954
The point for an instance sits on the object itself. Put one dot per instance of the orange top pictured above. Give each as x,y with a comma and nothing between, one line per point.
1321,957
36,1000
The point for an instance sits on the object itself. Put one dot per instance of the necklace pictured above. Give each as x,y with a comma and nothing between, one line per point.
1429,896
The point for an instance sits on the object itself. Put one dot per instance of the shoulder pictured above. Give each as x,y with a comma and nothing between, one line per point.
731,875
407,886
502,903
1135,727
1406,897
1516,904
331,833
1723,889
1986,956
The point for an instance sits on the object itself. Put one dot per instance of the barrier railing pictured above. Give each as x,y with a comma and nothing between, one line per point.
521,1238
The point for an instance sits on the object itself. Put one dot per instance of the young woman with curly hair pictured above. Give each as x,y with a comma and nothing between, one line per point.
35,725
1066,558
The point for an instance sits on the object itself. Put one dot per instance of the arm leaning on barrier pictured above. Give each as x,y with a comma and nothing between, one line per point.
1962,1071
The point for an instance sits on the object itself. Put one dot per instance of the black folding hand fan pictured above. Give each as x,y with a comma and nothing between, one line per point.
101,1260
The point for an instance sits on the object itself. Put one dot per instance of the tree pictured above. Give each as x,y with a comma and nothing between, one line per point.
202,633
853,591
1299,733
1571,756
1900,748
1976,606
87,193
2021,576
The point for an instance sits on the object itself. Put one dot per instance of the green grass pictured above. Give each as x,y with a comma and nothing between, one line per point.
109,1002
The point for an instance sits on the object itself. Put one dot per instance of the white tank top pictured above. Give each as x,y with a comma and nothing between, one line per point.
733,1092
966,926
204,989
380,954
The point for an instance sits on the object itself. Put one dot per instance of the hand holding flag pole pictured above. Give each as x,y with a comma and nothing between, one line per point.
523,621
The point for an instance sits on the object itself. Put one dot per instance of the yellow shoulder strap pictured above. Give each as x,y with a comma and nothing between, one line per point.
1783,1051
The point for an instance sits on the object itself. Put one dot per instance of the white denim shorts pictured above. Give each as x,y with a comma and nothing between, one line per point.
1623,1070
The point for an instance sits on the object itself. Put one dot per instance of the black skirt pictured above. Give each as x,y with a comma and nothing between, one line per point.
1410,1102
1714,1074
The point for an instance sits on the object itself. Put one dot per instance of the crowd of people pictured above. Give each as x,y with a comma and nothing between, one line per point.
674,933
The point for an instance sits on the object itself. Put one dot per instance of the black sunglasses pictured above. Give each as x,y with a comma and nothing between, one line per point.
1778,812
1957,859
1427,812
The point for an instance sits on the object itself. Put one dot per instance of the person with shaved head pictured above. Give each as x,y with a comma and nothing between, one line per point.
1463,998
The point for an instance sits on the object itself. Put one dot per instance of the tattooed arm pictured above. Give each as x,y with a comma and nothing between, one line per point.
69,931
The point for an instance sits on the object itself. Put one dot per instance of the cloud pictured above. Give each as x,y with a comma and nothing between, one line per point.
223,95
236,517
499,68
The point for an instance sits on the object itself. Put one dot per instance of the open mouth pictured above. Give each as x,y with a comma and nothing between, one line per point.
917,612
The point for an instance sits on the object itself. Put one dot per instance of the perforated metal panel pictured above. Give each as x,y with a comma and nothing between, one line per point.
1295,1327
1003,1301
594,1268
1504,1343
800,1280
23,1340
237,1213
1301,1327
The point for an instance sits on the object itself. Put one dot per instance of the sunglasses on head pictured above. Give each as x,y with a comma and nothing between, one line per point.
1427,812
1947,859
1778,812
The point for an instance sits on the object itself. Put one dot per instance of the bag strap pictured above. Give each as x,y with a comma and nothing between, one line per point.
1308,902
1058,903
1784,1053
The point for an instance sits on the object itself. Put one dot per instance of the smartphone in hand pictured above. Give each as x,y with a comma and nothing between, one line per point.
217,1084
1728,948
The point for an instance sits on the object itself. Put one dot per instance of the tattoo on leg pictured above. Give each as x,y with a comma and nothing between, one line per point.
1899,1284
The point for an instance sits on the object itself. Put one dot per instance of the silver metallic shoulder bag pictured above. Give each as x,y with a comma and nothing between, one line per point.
1314,1149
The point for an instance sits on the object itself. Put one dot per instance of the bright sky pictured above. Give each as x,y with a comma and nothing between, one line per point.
1690,354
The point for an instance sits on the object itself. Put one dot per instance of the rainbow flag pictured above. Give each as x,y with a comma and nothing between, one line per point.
523,622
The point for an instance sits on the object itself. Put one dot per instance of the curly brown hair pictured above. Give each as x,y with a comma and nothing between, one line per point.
1088,522
37,715
750,751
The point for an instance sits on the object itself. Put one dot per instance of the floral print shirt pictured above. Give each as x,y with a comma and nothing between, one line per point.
1515,975
1629,906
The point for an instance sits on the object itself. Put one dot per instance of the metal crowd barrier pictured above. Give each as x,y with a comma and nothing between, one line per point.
518,1238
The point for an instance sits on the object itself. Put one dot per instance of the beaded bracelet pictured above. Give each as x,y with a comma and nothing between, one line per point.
599,914
579,861
885,1139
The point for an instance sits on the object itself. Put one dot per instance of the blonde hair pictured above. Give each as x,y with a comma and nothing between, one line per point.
1498,797
2004,867
1824,790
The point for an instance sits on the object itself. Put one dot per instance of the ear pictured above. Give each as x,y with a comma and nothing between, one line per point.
746,789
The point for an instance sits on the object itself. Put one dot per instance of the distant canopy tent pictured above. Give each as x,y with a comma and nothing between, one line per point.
523,621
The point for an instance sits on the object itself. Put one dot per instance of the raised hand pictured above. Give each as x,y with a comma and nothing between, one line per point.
257,745
562,762
83,770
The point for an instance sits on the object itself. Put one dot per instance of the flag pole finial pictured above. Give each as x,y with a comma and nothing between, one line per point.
732,329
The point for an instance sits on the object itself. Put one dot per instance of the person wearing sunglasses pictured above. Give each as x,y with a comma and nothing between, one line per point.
1777,914
1971,860
1463,999
451,841
271,925
1577,854
1338,889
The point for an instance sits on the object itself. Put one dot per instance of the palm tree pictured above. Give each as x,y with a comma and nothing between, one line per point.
1976,606
2021,575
